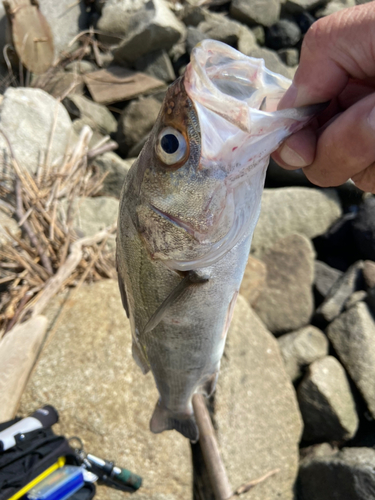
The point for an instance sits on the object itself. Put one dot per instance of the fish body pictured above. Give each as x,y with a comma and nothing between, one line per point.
187,213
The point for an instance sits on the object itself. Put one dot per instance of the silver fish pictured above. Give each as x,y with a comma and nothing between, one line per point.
187,214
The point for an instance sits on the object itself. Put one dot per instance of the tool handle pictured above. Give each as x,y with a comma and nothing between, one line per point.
128,478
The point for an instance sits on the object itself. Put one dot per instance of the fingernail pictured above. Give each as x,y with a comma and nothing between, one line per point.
290,157
288,98
371,118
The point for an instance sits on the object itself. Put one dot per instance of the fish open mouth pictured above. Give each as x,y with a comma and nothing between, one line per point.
239,88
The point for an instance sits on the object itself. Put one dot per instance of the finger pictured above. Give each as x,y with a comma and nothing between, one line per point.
365,180
346,146
298,150
335,48
354,92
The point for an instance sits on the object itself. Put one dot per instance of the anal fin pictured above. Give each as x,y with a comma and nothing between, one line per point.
165,420
208,387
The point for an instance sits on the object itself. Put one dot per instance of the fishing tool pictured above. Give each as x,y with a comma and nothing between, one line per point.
107,472
42,418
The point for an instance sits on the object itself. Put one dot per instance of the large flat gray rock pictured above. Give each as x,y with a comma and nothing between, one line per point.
26,117
284,211
286,303
256,415
353,337
87,372
347,475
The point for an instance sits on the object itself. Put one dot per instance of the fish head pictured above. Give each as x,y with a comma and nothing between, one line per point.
200,175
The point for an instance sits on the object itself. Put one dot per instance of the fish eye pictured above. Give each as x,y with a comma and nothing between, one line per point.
171,146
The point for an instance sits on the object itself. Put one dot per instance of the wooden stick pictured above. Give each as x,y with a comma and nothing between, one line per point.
210,450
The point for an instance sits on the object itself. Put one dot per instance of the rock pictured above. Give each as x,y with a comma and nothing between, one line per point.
4,31
254,279
326,402
325,278
364,229
255,411
61,83
93,214
336,246
301,348
219,27
353,337
334,6
304,21
156,64
7,222
87,372
317,210
369,273
347,475
192,15
143,27
260,35
246,40
317,450
66,20
339,293
96,135
283,34
271,60
193,37
97,115
116,169
136,121
286,303
265,13
370,300
299,6
355,297
25,111
289,56
81,67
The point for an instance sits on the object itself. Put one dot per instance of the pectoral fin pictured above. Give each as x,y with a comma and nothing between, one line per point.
192,277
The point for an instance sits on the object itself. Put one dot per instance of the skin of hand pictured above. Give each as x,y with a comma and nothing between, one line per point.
337,65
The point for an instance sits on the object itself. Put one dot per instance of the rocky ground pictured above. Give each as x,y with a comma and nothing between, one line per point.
296,393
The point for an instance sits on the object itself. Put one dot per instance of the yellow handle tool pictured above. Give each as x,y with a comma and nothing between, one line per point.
60,463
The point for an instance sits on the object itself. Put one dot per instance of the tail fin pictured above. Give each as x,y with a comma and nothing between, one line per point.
165,420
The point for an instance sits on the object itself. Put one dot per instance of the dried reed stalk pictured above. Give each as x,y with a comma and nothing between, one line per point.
48,256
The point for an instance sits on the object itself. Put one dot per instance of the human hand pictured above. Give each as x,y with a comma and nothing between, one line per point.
338,65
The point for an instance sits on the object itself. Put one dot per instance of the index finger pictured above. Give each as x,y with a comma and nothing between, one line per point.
335,48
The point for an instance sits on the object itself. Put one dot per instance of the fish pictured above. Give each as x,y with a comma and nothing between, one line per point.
187,213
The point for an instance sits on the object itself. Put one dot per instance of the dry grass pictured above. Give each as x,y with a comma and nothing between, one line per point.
30,264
